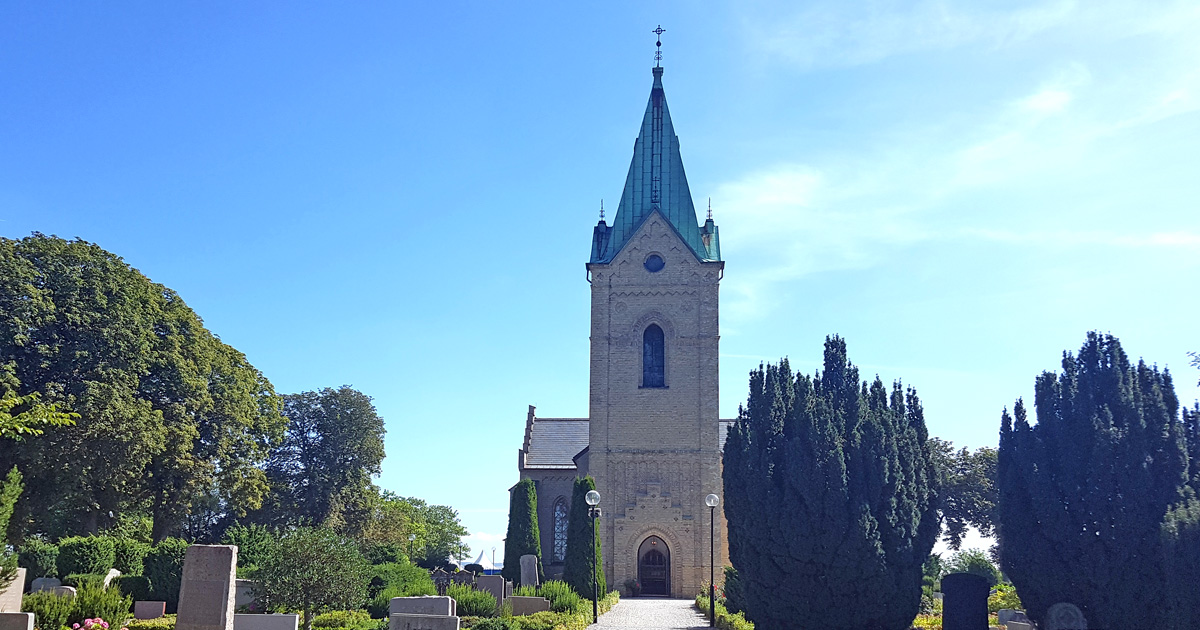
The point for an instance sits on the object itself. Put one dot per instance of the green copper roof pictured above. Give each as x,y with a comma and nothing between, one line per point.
656,181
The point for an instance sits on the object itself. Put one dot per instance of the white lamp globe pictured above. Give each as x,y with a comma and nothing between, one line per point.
712,500
592,497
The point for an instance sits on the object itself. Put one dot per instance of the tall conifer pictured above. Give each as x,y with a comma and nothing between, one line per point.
830,498
578,562
1084,492
523,535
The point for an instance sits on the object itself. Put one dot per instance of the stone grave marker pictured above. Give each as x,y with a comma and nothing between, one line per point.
423,613
149,609
529,572
243,593
206,597
63,591
528,605
266,622
16,620
496,585
964,606
10,598
44,584
422,622
1064,616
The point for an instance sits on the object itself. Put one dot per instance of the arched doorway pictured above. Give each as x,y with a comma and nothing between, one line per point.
654,566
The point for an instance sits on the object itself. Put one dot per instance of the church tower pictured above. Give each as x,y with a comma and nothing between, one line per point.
653,430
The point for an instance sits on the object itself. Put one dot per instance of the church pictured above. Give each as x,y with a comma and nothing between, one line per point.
652,439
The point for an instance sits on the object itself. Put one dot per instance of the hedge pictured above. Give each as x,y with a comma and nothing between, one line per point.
129,555
85,554
725,619
164,568
39,558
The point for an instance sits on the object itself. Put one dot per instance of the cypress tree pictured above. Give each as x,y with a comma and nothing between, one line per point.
830,498
1084,492
523,536
577,567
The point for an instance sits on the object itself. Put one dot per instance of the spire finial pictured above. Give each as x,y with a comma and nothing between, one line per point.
658,45
710,208
601,210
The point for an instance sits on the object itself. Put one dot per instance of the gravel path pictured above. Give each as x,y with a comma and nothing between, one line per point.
653,614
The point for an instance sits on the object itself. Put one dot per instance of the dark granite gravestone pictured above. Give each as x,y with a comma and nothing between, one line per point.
964,606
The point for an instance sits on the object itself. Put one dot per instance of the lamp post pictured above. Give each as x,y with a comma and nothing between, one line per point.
712,501
592,498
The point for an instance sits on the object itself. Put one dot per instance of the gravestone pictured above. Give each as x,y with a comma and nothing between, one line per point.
16,620
1064,616
149,609
1004,615
243,594
528,605
63,591
424,605
496,585
266,622
44,584
10,598
529,572
421,622
964,606
206,599
1018,625
112,574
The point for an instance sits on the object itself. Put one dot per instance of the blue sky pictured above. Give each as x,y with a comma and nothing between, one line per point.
399,196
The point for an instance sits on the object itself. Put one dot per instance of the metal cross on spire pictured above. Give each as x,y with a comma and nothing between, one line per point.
658,45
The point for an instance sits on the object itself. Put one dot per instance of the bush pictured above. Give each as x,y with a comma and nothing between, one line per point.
254,543
383,553
85,554
975,562
39,558
494,623
313,570
725,619
471,602
164,569
95,601
1004,596
166,622
84,579
350,619
563,599
477,569
50,611
135,586
129,555
735,594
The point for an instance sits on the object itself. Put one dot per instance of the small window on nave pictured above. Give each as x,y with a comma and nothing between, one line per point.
560,529
653,357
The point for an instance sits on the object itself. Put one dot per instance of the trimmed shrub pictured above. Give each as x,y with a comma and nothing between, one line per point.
128,555
50,611
975,562
106,603
396,579
84,579
582,546
563,599
349,619
85,554
39,558
164,569
477,569
522,537
135,586
735,594
166,622
254,542
472,603
495,623
725,619
383,553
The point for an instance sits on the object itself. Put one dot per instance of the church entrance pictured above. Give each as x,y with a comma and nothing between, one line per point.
654,567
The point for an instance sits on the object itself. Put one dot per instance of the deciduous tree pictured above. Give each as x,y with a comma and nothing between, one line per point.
313,570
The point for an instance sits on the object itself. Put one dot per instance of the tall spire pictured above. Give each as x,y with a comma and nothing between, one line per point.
656,182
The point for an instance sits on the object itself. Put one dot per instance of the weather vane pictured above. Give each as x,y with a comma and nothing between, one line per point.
710,208
601,209
658,45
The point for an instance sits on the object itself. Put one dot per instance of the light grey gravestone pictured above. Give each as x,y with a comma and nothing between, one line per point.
266,622
44,584
16,620
149,609
206,598
496,585
1064,616
112,574
423,605
528,605
63,591
529,573
10,597
243,593
422,622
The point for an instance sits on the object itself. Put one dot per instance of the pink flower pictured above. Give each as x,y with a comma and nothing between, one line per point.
75,627
105,624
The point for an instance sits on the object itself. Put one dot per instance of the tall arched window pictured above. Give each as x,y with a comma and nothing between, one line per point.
653,358
560,529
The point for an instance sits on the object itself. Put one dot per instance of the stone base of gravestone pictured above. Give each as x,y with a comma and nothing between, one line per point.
63,591
10,597
964,606
529,572
44,584
266,622
422,622
149,609
1018,625
206,593
1064,616
496,585
16,620
424,605
528,605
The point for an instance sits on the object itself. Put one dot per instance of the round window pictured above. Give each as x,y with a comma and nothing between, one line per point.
654,263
